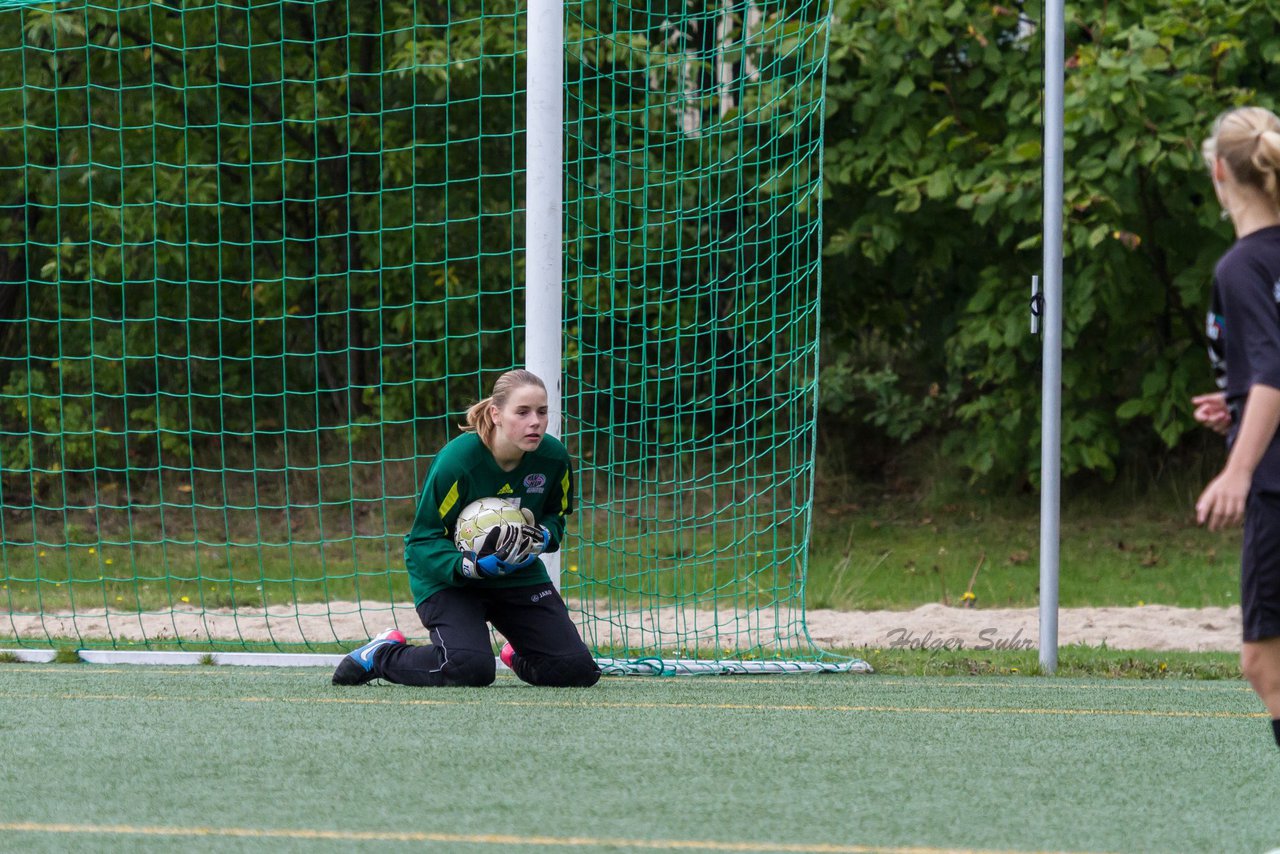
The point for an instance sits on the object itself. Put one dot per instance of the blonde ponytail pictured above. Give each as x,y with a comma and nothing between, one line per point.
1266,159
479,419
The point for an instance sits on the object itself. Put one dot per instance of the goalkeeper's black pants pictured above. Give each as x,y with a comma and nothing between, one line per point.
534,619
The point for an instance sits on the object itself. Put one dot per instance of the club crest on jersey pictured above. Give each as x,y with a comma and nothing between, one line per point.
535,483
506,489
1213,326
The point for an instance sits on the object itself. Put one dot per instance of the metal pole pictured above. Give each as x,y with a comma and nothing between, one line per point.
1051,382
544,202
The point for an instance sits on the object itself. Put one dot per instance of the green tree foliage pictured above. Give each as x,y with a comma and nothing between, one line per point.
224,221
693,195
933,164
227,223
184,188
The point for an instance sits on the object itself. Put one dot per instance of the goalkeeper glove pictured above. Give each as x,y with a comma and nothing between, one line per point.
492,558
532,542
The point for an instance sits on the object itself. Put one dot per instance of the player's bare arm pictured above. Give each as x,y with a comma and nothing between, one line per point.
1222,502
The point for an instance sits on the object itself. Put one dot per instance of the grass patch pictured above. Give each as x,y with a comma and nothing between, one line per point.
868,548
894,554
67,655
142,577
863,555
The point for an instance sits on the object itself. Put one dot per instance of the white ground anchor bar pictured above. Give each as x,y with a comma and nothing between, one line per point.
174,659
30,656
246,659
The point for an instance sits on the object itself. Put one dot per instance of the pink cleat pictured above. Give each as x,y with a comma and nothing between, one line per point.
508,653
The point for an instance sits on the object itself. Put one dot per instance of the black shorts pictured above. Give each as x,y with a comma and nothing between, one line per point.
1260,567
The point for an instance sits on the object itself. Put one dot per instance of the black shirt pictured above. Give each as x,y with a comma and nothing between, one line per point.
1244,332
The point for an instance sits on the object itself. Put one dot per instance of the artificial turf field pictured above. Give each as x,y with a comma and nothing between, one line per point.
113,758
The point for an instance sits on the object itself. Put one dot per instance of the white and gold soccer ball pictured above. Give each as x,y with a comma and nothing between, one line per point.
480,517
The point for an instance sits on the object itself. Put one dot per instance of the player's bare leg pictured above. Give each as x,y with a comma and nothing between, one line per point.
1260,661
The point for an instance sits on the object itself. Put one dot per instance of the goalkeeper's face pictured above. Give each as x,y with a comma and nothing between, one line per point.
523,421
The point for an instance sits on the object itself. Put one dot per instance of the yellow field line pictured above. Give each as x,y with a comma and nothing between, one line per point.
753,707
1216,687
481,839
761,707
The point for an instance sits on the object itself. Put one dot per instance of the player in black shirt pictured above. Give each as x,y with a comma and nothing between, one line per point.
1243,155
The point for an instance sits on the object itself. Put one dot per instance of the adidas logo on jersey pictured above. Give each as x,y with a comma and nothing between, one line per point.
506,489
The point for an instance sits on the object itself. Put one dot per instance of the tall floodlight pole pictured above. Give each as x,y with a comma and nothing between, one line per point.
544,202
1051,382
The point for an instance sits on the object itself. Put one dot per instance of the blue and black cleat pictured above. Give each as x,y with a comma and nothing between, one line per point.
356,668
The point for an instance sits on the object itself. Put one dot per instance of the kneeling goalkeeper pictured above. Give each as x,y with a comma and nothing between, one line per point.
504,452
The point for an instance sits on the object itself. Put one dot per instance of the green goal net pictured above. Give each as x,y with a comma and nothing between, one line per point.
256,258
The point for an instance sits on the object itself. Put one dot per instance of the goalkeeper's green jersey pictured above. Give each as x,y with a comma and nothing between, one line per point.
465,471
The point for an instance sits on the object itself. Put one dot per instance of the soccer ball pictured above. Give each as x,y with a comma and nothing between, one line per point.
480,517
